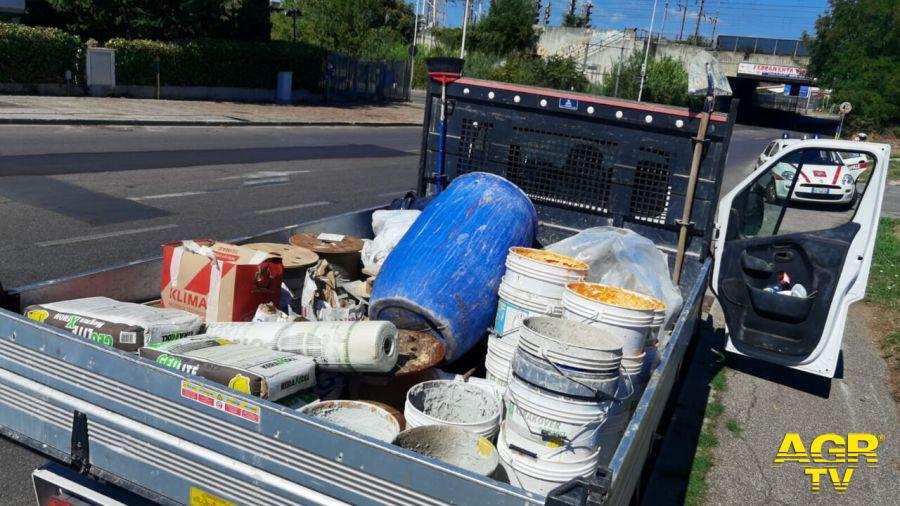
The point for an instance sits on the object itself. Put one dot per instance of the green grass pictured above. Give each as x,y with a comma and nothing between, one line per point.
884,281
698,487
894,170
734,427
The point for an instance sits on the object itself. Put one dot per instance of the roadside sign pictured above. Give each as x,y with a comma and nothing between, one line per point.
787,89
845,108
804,91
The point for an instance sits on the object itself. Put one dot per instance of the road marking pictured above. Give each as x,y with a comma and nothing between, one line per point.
291,208
267,181
168,195
394,193
94,237
266,174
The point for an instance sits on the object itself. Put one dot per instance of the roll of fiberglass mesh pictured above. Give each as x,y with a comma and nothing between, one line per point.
367,346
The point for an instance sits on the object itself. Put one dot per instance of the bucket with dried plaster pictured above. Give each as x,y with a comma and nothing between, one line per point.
362,417
453,403
542,272
452,445
538,475
564,380
628,314
571,344
540,415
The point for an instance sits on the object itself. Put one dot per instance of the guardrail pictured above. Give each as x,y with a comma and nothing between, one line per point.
761,45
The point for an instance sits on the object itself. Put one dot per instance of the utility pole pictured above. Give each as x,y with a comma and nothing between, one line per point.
412,50
715,20
683,9
462,47
662,29
647,53
699,17
619,67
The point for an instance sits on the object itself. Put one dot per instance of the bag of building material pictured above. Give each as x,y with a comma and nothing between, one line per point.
365,346
253,370
123,325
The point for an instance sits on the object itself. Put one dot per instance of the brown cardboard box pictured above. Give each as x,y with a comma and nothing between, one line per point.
219,281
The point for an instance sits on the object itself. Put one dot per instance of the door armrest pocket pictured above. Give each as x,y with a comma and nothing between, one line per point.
783,308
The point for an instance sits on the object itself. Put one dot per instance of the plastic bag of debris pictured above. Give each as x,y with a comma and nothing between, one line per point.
325,299
626,259
389,227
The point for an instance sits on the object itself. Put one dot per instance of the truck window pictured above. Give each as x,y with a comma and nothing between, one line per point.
804,191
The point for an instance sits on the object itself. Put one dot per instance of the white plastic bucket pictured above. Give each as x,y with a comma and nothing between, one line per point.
571,344
631,324
515,305
551,450
539,414
363,417
500,351
541,476
452,445
542,272
453,403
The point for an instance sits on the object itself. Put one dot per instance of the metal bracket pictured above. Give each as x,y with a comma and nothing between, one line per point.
682,223
591,491
433,179
80,450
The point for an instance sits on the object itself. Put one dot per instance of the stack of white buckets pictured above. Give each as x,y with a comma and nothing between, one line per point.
557,426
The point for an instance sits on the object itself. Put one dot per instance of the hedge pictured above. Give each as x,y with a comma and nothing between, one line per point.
215,62
36,55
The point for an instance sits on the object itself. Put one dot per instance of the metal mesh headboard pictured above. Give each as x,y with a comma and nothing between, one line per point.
583,160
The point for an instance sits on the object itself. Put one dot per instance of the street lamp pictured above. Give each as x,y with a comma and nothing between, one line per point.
646,53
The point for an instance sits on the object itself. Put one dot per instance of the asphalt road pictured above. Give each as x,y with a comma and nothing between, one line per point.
79,198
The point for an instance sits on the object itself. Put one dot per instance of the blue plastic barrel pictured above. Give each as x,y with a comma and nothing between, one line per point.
443,275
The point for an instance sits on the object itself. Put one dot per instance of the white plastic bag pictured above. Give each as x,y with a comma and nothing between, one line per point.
389,227
626,259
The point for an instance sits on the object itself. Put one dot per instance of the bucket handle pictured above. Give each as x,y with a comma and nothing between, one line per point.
598,394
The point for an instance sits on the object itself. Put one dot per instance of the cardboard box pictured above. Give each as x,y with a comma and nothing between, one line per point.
221,282
257,371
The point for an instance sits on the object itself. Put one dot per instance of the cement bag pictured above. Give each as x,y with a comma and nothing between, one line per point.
123,325
389,227
252,370
366,346
626,259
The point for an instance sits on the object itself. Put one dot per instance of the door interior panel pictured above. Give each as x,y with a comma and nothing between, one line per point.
770,321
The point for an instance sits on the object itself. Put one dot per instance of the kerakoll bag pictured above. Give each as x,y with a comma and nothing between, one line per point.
122,325
253,370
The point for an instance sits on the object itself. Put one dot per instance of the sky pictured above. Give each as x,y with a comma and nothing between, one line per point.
785,19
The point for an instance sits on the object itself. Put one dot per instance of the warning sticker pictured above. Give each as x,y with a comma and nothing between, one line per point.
204,498
221,401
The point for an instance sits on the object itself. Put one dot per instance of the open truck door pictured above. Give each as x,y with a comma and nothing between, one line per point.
794,251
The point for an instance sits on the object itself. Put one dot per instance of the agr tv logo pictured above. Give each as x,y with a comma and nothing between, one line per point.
830,457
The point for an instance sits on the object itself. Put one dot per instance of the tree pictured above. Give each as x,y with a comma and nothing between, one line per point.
665,83
856,53
507,28
153,19
348,26
575,21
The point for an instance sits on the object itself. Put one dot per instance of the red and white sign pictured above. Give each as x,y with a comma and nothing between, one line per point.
763,70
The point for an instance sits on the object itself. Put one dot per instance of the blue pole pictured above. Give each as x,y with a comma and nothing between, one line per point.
440,160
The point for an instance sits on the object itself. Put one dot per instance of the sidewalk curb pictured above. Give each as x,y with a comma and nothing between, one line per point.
213,123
